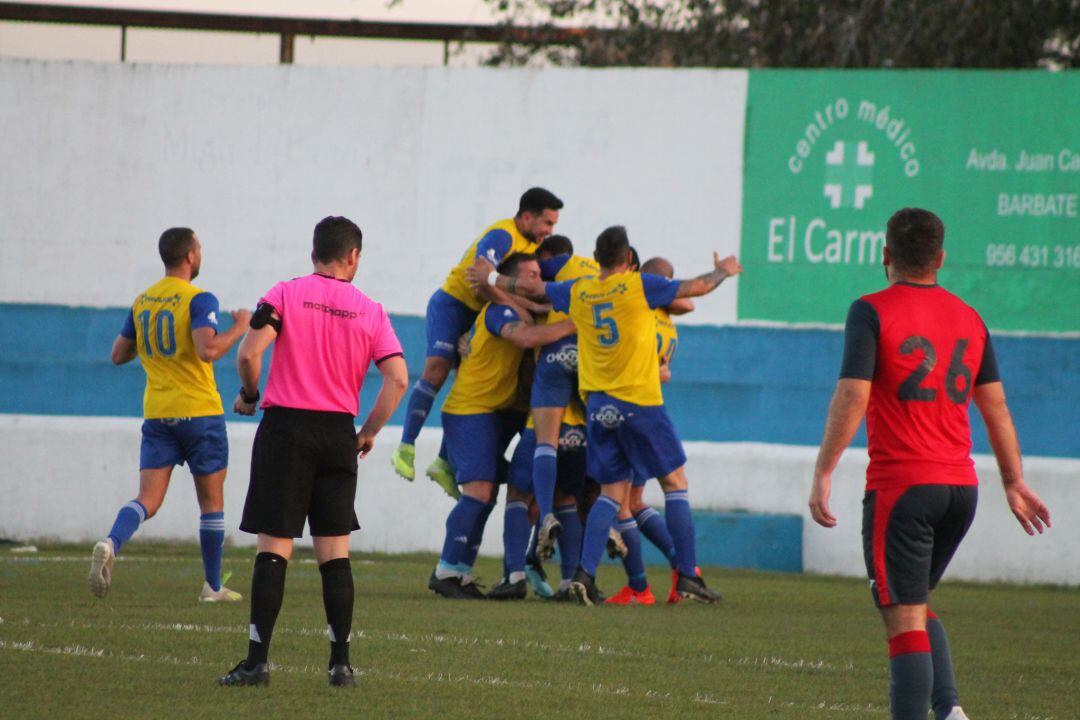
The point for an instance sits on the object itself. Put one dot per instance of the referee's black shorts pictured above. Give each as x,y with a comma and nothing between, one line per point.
909,536
303,465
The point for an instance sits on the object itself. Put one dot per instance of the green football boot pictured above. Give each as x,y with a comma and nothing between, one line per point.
403,459
441,474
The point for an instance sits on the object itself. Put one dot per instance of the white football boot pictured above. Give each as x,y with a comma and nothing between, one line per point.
101,568
957,713
208,594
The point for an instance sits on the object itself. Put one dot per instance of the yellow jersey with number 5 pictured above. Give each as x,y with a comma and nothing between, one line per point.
616,332
178,383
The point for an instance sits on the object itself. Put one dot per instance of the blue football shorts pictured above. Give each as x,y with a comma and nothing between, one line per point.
201,442
476,444
555,380
625,439
446,320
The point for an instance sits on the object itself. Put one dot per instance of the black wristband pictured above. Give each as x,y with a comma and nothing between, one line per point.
247,399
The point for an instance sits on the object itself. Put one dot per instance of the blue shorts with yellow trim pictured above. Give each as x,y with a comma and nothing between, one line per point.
201,442
446,320
476,444
626,439
571,461
555,380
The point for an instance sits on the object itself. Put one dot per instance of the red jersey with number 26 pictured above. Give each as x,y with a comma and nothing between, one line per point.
923,349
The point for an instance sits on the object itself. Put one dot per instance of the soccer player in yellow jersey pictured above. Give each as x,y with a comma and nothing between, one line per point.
452,310
627,427
635,517
479,419
173,330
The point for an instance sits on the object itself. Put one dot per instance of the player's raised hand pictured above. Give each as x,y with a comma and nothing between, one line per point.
241,318
819,502
1030,511
729,265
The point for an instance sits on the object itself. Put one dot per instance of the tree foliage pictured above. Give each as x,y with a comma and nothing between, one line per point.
796,33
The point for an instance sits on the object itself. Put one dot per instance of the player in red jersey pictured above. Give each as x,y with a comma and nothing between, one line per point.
915,355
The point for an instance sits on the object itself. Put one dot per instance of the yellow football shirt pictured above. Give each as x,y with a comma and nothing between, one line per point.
178,383
616,332
487,379
667,336
498,241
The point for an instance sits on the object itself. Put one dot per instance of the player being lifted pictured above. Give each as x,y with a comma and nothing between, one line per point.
452,310
480,418
627,426
172,328
914,357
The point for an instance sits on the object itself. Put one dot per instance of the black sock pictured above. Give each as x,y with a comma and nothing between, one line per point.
944,697
267,591
337,589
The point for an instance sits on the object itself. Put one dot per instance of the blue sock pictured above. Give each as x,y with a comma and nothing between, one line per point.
421,399
442,449
597,527
212,540
459,525
681,526
633,563
545,473
569,539
654,528
516,529
468,557
128,520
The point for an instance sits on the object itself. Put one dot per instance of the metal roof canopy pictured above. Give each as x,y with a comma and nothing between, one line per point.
286,27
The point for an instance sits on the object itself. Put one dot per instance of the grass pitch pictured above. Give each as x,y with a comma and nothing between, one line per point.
780,646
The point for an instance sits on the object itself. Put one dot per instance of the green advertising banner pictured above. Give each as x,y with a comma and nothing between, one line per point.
830,155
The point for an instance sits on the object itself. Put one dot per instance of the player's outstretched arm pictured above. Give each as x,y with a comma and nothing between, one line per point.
395,382
845,413
123,350
681,306
1030,511
533,336
210,345
705,284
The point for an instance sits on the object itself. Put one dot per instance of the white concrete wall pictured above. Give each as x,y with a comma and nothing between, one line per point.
108,156
66,477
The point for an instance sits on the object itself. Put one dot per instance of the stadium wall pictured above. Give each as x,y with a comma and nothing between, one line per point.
109,155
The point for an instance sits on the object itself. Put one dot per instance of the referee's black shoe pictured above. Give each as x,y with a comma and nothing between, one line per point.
240,676
583,588
506,590
693,587
448,587
342,676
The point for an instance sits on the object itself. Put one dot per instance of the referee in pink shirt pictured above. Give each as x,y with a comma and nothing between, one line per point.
326,335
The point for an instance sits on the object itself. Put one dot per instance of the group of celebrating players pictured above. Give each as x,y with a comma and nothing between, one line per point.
568,353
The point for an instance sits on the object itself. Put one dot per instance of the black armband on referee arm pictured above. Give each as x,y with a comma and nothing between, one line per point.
263,316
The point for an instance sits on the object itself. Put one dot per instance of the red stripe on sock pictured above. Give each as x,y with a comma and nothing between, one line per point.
915,641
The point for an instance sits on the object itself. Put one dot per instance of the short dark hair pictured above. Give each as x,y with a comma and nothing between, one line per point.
915,238
334,237
174,245
510,263
536,200
556,245
612,246
635,259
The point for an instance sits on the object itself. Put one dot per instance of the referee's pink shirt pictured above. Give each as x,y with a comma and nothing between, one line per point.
330,334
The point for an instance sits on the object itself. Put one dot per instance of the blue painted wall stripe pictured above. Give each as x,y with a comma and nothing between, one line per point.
730,383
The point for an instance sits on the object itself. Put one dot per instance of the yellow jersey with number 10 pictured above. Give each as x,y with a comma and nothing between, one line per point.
457,284
178,383
616,338
667,336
